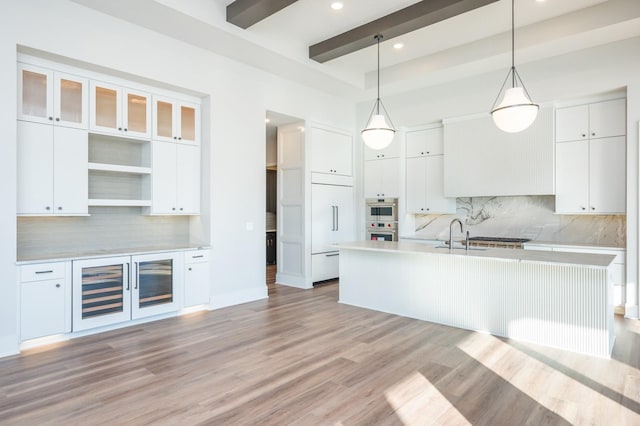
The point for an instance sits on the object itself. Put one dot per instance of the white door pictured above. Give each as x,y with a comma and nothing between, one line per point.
163,178
164,117
416,184
196,284
572,177
572,123
156,284
435,199
607,175
70,175
372,178
71,101
101,292
35,168
345,215
42,308
106,111
323,218
608,118
35,94
188,179
390,178
136,114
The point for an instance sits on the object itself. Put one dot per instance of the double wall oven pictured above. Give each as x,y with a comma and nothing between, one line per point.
382,219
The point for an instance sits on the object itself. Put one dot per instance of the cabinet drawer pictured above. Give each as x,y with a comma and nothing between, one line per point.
196,256
325,266
41,271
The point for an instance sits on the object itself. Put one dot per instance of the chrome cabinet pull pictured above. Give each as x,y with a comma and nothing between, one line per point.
44,272
337,218
128,277
136,276
332,254
198,256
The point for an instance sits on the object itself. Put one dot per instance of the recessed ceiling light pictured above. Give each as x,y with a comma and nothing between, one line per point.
337,5
398,46
266,120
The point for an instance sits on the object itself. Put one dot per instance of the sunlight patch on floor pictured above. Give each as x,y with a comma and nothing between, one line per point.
416,401
551,388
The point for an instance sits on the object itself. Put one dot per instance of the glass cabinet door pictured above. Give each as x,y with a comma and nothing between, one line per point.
102,294
164,120
35,94
71,101
106,115
188,126
155,284
137,114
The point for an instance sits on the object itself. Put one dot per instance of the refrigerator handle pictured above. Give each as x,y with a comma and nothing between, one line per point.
337,218
333,218
136,275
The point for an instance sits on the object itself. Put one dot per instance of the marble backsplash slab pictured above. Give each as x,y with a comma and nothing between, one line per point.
530,217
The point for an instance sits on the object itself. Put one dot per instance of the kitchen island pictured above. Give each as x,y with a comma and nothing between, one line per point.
556,299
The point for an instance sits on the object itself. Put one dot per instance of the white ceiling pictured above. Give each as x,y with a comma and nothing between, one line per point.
475,42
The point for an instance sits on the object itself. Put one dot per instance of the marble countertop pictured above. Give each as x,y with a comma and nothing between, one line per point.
517,255
566,244
66,256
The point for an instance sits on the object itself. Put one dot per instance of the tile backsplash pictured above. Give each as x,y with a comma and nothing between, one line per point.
106,229
530,217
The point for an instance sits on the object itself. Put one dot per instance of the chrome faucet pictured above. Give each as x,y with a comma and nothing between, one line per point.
451,231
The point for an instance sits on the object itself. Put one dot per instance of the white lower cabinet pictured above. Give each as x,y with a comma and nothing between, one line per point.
175,183
45,299
112,290
197,278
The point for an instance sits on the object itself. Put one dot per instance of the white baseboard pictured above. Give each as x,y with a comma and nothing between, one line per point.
293,281
9,345
237,297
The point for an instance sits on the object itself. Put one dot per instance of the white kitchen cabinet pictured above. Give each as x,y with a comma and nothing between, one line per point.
591,176
176,121
197,278
50,97
425,142
391,151
331,152
52,170
596,120
45,299
175,184
382,178
120,111
425,186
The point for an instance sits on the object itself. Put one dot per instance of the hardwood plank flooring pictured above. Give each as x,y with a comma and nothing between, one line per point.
302,358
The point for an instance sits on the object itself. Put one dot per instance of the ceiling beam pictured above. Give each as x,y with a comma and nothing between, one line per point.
411,18
245,13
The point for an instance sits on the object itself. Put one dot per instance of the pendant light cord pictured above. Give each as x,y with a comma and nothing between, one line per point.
513,44
378,37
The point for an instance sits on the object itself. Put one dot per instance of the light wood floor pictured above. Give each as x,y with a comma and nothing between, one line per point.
301,358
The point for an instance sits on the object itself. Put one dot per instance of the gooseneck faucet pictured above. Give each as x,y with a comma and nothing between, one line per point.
451,231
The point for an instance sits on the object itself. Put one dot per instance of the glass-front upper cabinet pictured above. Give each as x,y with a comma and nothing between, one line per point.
46,96
119,110
176,121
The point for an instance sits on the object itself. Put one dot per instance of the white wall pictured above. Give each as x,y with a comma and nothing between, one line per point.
572,76
234,163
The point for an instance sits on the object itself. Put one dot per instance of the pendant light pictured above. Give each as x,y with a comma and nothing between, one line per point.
516,112
379,131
